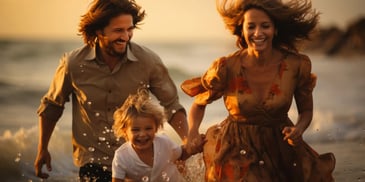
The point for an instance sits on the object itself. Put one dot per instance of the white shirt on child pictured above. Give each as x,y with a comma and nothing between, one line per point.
127,164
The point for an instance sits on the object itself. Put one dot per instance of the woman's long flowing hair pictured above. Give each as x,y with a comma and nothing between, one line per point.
294,20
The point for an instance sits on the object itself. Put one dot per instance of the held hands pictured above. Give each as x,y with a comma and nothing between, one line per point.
195,143
43,157
293,135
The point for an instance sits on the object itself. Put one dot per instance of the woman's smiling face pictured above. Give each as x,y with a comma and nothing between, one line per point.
258,30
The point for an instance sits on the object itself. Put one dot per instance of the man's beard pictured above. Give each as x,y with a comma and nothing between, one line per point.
110,50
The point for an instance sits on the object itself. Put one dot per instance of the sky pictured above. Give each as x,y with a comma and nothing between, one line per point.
176,20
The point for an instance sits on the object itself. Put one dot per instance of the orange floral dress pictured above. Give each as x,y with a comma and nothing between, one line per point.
248,145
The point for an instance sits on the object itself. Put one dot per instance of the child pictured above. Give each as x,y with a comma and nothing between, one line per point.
146,156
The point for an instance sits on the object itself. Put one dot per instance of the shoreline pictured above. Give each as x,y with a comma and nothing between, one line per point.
350,160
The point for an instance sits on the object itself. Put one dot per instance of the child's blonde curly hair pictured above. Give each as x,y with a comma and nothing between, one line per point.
139,104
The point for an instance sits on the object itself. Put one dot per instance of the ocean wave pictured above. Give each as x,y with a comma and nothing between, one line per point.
17,51
19,151
13,94
329,127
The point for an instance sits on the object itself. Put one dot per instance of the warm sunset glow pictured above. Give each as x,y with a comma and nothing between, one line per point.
166,19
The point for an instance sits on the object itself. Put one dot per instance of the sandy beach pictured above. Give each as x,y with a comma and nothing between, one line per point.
350,159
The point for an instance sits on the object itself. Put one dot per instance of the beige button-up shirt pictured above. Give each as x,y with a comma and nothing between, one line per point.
96,92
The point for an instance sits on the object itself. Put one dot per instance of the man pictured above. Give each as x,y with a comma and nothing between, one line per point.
99,76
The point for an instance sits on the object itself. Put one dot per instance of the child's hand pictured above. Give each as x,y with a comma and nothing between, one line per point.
196,144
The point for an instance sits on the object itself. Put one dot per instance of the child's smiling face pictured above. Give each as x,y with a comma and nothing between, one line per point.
141,132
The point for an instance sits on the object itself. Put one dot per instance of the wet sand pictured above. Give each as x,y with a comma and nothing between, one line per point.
350,159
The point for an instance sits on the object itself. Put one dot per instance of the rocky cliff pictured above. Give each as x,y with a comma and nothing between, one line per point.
333,41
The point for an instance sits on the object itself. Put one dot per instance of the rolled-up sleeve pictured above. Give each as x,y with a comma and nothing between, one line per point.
52,103
163,87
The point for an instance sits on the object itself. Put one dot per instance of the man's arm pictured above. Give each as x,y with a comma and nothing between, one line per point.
46,128
179,123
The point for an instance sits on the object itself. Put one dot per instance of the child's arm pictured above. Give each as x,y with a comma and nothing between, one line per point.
184,154
196,149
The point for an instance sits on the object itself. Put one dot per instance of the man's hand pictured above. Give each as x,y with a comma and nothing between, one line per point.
43,157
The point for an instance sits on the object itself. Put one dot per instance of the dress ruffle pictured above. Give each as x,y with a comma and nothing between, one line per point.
237,151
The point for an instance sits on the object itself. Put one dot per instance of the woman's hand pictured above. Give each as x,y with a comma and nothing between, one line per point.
293,135
195,143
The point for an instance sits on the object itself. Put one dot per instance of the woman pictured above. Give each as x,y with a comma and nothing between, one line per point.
257,141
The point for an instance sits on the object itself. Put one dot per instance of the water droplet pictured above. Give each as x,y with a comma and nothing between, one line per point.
147,86
261,162
164,174
165,177
91,149
84,134
294,164
107,130
173,111
105,168
145,179
102,139
243,152
97,114
105,157
17,159
89,103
